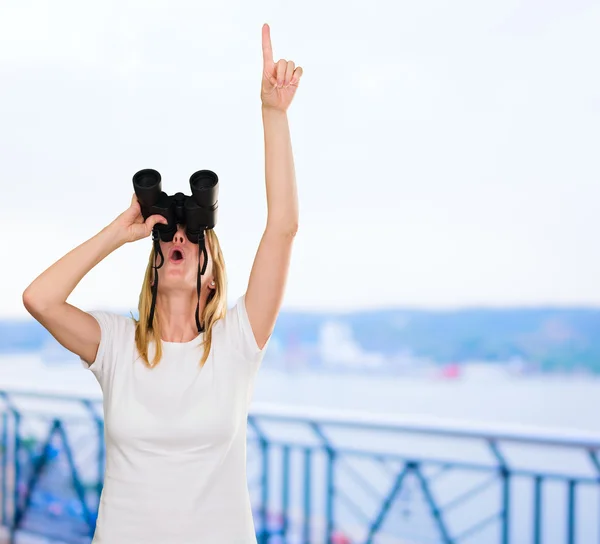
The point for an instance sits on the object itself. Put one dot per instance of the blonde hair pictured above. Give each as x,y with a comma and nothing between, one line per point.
215,308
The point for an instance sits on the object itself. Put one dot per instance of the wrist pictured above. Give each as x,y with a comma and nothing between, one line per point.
113,236
269,110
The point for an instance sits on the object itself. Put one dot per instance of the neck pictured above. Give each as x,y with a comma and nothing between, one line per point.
177,312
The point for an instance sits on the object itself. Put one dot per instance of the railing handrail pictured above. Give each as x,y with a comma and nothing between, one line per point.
524,434
359,419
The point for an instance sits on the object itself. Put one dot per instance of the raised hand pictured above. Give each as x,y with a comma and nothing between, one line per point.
130,225
280,80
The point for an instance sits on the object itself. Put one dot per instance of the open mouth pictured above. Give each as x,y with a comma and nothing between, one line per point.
176,255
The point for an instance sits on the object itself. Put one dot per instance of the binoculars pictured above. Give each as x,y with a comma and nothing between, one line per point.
197,212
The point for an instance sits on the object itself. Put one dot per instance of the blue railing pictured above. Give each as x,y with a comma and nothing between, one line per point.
321,476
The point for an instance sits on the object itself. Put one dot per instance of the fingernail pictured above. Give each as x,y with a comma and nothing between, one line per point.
279,83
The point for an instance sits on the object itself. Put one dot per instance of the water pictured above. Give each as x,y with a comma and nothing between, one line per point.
551,402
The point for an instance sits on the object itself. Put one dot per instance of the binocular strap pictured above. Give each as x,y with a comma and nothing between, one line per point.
201,251
157,253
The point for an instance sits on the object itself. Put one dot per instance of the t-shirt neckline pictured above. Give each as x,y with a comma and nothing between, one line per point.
188,343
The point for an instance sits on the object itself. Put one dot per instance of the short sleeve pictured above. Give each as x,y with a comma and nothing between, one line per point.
113,328
239,332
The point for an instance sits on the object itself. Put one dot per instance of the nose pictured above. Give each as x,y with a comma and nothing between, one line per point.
180,237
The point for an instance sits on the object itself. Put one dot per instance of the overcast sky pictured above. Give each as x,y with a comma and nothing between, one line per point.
447,153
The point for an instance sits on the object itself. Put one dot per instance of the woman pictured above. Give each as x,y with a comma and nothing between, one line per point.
176,401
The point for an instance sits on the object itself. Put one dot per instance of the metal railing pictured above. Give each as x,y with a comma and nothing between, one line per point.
322,476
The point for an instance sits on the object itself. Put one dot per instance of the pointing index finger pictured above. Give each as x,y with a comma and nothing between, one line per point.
266,45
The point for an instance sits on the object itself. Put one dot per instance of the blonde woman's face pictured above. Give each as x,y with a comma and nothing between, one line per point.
180,268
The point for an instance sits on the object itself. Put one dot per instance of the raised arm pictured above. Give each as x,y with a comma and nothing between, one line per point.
269,272
46,297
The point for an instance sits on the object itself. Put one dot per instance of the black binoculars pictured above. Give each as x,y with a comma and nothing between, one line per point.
197,212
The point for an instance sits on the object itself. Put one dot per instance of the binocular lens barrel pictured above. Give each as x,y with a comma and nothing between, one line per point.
205,188
147,186
201,209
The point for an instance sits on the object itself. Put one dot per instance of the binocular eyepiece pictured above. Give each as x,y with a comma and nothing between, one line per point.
197,212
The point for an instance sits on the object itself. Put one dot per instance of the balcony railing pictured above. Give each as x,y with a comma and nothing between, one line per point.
324,476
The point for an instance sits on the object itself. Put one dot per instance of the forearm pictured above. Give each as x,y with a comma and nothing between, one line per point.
280,177
55,284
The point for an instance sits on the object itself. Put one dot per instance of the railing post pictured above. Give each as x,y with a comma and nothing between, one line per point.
329,480
537,512
264,448
264,534
571,512
285,499
505,492
17,477
4,465
505,473
330,495
307,495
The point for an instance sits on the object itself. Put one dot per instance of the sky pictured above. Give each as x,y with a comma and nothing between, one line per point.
446,153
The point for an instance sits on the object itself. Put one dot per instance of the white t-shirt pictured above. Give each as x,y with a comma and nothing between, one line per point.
175,436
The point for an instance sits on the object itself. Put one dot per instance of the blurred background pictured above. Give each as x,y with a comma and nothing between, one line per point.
443,289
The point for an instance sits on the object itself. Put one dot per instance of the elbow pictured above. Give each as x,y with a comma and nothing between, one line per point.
32,303
292,229
284,231
287,228
28,301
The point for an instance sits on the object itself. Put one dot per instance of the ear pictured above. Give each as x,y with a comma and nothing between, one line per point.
212,284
